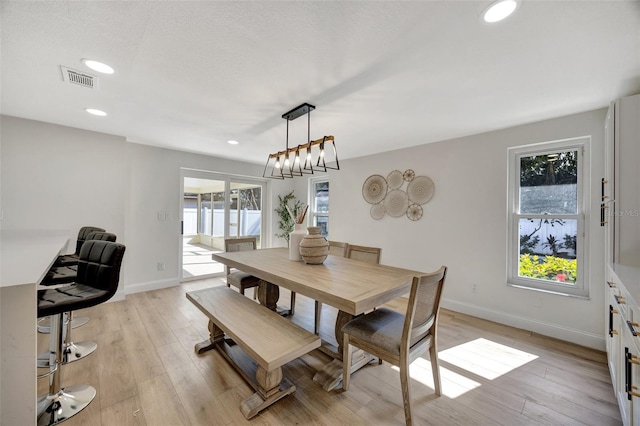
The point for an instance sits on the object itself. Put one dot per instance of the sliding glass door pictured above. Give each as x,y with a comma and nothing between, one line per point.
216,207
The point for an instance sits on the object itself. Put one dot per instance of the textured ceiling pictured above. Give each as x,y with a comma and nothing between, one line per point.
383,75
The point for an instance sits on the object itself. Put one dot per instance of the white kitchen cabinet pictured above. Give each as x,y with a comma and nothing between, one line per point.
620,217
623,338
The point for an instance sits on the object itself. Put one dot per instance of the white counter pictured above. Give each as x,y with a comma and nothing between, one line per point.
25,257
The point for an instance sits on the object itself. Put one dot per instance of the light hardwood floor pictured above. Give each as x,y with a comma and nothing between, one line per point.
146,373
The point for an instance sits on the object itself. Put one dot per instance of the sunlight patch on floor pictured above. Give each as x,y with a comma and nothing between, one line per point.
486,358
453,384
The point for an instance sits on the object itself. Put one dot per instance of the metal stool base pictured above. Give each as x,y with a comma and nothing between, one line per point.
53,409
72,352
75,323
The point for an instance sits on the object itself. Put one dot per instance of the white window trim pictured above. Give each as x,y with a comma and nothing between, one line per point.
581,287
312,191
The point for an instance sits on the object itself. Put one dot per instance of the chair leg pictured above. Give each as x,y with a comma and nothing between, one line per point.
437,383
317,312
347,350
61,403
292,304
406,390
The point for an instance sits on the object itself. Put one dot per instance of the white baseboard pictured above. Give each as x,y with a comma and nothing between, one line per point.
151,285
119,296
578,337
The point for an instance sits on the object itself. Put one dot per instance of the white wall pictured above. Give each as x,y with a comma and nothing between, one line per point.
61,178
464,226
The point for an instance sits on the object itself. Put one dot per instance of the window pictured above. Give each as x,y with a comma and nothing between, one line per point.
546,217
319,204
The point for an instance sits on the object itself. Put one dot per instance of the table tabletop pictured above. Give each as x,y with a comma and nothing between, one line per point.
352,286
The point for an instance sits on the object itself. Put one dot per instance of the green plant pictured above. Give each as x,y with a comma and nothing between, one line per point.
528,243
553,245
570,241
287,206
548,268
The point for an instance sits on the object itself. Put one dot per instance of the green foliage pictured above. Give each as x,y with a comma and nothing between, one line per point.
570,241
285,221
548,268
549,169
553,245
528,243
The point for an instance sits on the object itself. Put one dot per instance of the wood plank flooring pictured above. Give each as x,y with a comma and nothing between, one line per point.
146,373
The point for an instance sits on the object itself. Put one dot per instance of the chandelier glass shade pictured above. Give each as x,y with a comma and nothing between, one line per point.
307,158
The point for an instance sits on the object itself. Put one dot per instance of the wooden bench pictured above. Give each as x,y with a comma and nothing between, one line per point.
261,343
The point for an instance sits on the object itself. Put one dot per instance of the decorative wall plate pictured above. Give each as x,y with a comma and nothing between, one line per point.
414,212
420,189
377,211
408,175
396,203
395,179
374,189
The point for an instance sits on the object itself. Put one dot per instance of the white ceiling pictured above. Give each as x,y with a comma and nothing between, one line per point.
383,75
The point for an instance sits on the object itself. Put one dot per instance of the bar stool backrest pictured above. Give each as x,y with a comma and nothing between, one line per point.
99,264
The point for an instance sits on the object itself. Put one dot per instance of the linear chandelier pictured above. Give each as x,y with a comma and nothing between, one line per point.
288,163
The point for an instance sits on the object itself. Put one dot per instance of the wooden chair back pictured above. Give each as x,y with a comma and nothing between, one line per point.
423,308
239,244
337,248
365,254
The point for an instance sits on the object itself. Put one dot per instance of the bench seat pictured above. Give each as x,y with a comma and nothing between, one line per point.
261,342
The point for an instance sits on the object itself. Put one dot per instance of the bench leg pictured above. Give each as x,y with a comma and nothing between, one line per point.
271,388
215,335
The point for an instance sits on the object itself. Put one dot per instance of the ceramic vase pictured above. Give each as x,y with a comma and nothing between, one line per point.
314,248
294,241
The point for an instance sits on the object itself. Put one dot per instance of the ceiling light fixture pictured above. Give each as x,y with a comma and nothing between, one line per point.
233,142
283,166
97,112
499,10
98,66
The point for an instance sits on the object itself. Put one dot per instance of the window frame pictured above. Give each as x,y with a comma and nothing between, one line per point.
313,214
581,287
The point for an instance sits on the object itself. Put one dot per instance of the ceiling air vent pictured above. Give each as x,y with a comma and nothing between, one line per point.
80,78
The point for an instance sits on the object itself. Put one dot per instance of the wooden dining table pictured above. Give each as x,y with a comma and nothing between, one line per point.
351,286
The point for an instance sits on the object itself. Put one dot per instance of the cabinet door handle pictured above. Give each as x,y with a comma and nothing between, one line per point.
633,331
611,312
611,284
627,372
620,300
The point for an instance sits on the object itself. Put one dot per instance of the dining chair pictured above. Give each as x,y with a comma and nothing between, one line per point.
400,338
240,279
366,254
337,248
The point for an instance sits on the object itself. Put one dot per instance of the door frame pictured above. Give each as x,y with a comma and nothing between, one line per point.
227,178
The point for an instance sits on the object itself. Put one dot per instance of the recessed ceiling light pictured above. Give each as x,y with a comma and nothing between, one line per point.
233,142
97,112
499,10
98,66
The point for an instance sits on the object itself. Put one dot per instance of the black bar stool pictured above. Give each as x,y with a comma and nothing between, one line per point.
97,281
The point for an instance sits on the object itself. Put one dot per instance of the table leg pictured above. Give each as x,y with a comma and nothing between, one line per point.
330,377
268,295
